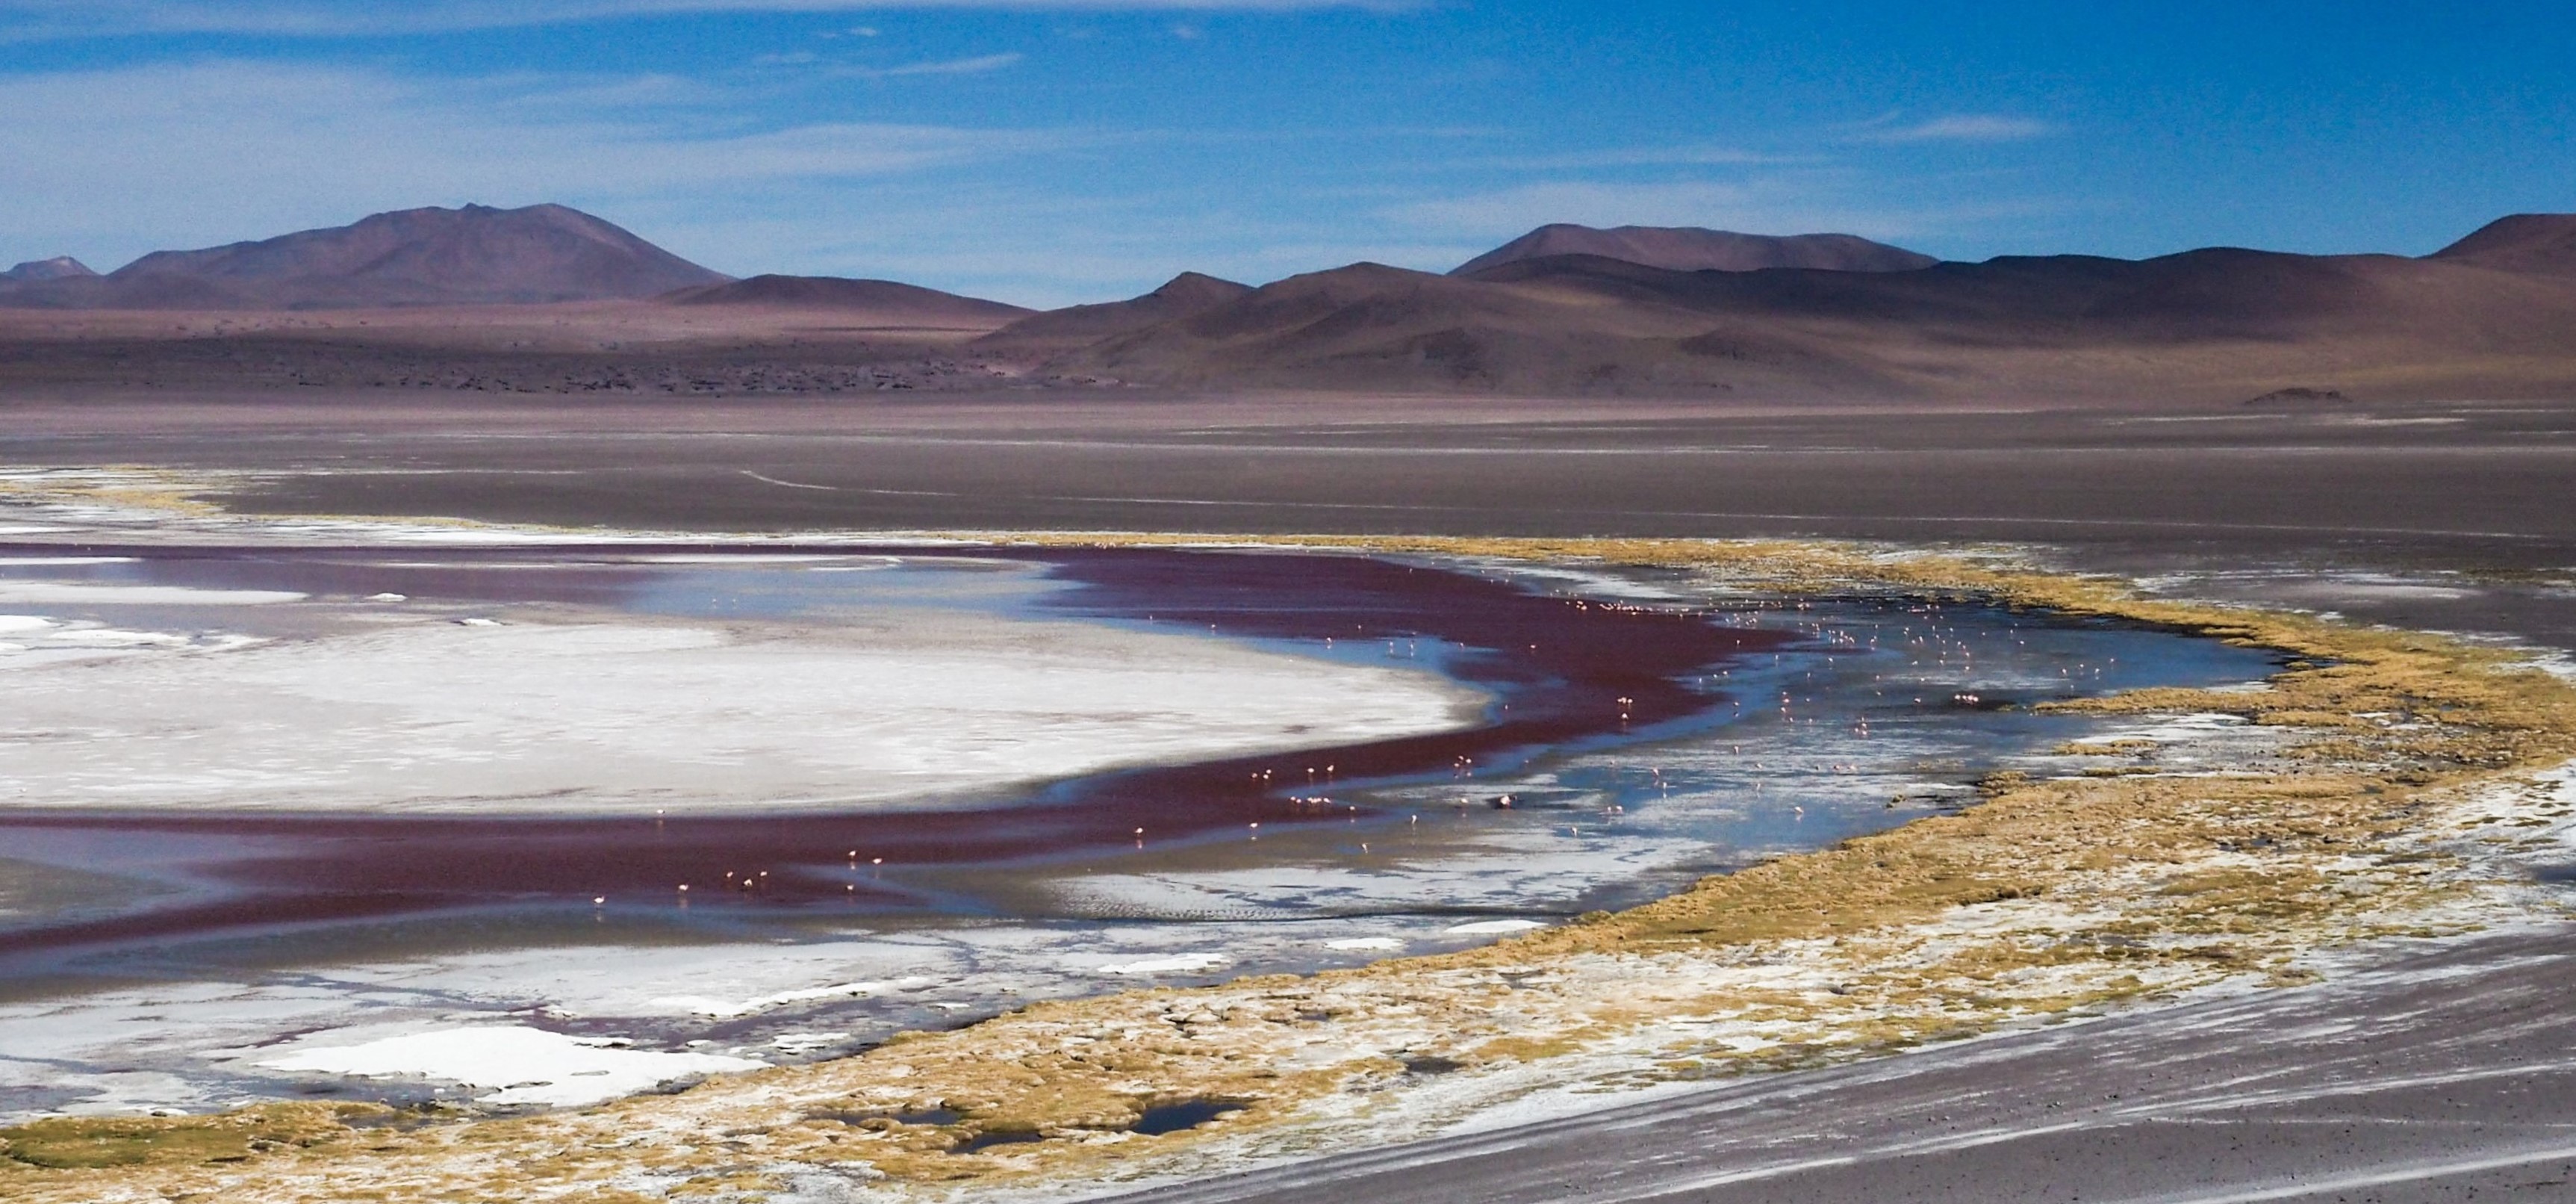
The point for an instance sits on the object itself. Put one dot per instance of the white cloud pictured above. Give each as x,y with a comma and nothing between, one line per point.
1958,127
38,19
1689,155
1766,206
109,164
968,66
113,163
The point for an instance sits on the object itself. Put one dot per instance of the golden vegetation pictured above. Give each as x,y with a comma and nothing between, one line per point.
2053,894
93,1143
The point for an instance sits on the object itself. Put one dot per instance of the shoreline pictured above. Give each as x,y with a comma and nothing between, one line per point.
2023,907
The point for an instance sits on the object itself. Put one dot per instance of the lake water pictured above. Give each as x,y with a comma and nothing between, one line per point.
1331,758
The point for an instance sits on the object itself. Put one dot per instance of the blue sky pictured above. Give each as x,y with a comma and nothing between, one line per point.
1051,151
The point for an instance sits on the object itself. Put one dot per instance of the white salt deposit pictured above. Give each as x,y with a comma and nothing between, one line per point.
109,637
741,558
60,640
1491,927
641,716
518,1065
726,1009
1178,963
68,593
805,1043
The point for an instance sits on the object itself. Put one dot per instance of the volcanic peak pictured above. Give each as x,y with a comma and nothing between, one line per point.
2524,242
60,267
1693,249
475,255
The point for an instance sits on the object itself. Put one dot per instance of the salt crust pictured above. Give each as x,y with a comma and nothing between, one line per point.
518,1066
642,717
60,593
1492,927
725,1009
35,640
1179,963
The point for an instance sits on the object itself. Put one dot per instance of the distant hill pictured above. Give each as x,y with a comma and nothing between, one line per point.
2524,242
60,267
884,302
1691,249
2493,314
475,255
1064,329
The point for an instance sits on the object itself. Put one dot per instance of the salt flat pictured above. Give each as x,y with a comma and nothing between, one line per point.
571,713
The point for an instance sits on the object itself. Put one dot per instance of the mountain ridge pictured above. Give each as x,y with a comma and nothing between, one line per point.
1695,248
889,299
2524,242
1075,326
1579,324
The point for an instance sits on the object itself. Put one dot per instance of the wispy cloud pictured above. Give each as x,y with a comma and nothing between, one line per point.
1758,206
1693,155
1956,127
43,19
108,164
967,66
1799,202
210,152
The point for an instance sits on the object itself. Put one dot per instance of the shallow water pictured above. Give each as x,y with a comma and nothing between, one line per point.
1641,729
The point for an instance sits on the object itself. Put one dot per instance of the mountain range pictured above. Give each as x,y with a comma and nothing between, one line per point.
1563,310
2495,311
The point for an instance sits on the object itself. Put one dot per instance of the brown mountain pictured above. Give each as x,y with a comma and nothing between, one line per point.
475,255
2221,323
881,302
1691,249
2524,242
60,267
1077,326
